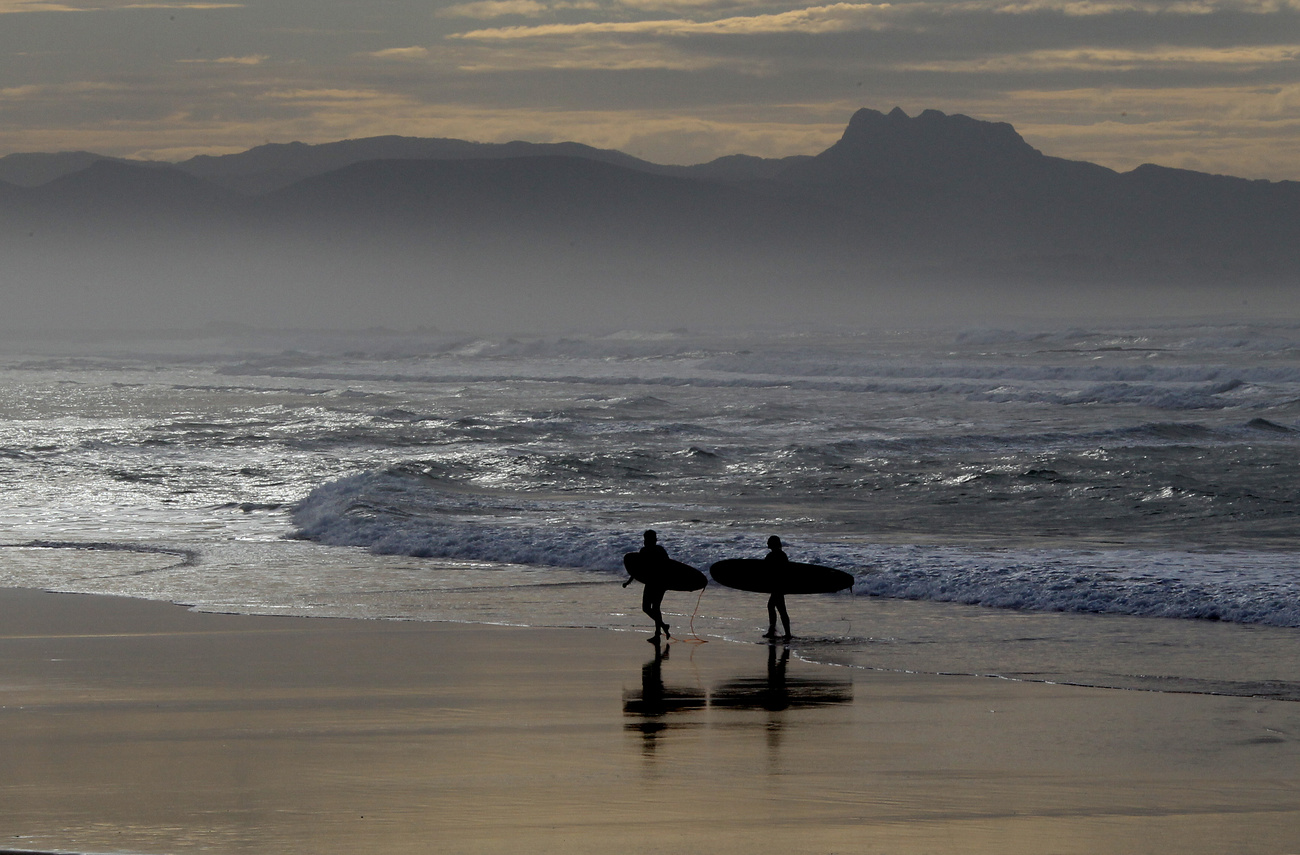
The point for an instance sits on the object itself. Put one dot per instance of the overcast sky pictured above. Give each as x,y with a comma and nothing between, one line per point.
1212,85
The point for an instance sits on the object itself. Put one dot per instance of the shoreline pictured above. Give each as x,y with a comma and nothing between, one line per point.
867,632
140,726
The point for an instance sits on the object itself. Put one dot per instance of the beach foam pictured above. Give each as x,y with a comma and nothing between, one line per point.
396,513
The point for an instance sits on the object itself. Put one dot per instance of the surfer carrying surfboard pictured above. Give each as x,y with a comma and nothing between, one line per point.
776,602
652,597
776,575
652,567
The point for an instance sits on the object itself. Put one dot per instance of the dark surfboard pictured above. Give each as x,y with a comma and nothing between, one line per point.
670,575
779,577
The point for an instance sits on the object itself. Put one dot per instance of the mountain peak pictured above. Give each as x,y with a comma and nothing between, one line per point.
931,135
932,147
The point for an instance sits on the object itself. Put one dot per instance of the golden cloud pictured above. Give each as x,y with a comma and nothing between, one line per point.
181,6
1092,8
601,56
837,17
831,18
256,59
1109,59
484,9
11,7
415,52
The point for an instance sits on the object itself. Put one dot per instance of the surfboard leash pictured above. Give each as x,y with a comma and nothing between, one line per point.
695,639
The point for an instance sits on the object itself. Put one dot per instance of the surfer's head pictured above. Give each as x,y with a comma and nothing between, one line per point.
774,542
650,536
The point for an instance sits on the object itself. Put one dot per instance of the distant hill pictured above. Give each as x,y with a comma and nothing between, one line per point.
276,165
273,166
946,203
35,168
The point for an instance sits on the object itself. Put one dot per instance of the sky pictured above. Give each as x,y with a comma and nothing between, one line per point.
1211,85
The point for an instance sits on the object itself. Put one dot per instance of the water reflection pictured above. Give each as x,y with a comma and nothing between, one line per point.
777,691
650,706
651,710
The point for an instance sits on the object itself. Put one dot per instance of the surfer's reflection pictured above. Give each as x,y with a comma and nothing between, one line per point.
778,691
776,694
650,706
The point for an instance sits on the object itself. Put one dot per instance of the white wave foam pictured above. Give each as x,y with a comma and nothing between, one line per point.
1199,390
389,513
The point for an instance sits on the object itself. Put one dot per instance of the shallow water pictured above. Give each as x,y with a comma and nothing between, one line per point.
305,579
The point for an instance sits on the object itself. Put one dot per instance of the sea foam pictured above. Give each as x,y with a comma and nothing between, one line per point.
392,513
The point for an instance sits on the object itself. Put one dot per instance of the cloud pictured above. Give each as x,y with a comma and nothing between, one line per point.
19,93
485,9
925,15
56,91
1098,8
255,59
1088,8
10,7
596,57
661,5
837,17
1091,8
1115,59
16,7
404,53
182,5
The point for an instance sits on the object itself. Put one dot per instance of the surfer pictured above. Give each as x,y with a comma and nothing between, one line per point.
776,575
653,595
776,602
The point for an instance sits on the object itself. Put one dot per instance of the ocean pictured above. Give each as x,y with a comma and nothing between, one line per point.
1109,506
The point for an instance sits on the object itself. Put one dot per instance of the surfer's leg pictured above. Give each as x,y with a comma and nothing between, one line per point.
650,607
659,612
785,618
771,617
650,600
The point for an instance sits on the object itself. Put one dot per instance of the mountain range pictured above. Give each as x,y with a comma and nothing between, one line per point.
389,228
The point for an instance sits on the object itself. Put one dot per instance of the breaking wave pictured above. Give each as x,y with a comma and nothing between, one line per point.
391,513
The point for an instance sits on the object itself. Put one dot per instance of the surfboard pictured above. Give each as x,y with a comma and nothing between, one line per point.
670,575
779,577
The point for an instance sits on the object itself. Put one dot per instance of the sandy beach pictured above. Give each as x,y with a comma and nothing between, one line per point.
141,727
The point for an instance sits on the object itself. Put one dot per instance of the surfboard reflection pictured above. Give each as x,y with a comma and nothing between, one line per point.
652,708
777,691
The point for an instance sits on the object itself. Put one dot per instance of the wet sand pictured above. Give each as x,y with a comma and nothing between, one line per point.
131,726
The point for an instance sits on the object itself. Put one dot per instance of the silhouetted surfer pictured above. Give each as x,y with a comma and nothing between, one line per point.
776,575
653,595
776,602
